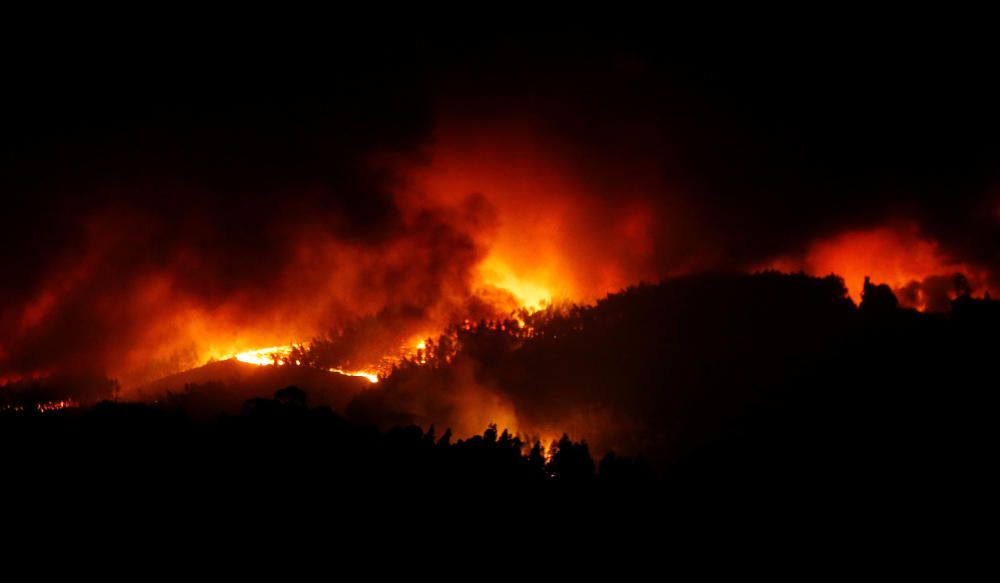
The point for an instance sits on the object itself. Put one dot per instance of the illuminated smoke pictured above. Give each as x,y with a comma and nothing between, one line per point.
918,270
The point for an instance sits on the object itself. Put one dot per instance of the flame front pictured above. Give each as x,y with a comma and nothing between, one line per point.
371,376
263,356
279,356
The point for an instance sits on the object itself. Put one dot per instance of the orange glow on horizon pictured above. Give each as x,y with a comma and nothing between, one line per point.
897,256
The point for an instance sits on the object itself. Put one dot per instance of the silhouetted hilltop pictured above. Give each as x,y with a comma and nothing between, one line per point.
222,387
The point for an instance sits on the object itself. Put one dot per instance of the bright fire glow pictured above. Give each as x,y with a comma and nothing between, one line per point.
528,292
263,356
276,355
372,377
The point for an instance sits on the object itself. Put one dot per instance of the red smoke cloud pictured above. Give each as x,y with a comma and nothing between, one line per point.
915,267
104,307
565,229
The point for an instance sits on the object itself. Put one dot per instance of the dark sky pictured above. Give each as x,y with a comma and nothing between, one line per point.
808,129
196,167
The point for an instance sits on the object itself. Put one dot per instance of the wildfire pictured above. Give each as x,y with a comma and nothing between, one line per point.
59,405
43,406
372,377
279,355
529,294
264,356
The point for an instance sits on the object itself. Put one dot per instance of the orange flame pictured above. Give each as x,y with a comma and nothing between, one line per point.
263,356
371,376
278,356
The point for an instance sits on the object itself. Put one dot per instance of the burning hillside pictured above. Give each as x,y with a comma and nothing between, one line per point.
278,215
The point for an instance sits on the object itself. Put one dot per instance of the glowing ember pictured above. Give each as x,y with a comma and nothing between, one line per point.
372,377
48,406
44,406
